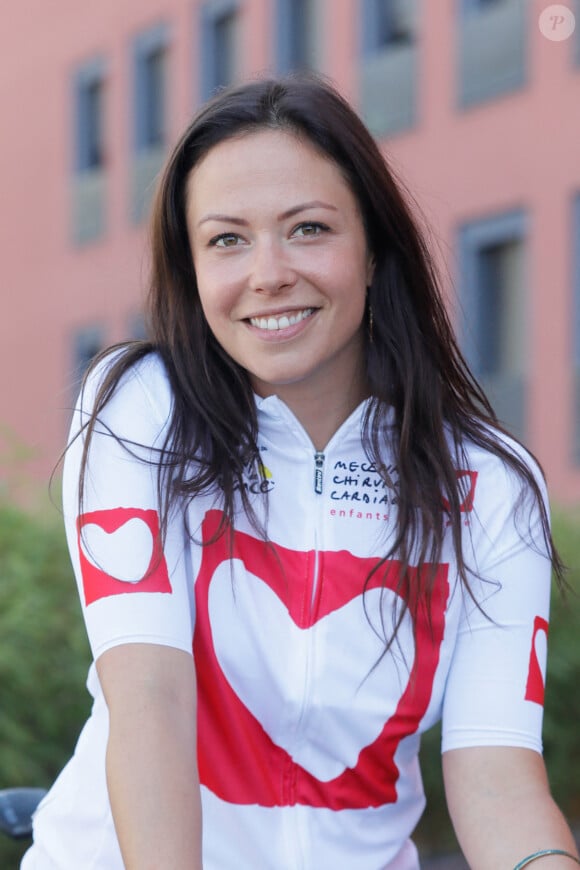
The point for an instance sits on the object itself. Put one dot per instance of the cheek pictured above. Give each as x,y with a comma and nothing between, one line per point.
344,269
204,297
214,292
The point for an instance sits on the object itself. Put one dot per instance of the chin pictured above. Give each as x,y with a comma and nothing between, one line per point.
273,382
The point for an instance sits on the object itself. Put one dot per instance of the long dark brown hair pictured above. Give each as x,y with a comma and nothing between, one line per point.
414,365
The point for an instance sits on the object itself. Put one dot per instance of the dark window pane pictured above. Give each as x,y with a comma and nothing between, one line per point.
224,42
392,19
491,309
94,118
154,94
88,343
299,36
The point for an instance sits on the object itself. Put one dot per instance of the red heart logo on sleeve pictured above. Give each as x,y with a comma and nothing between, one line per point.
466,483
119,553
535,685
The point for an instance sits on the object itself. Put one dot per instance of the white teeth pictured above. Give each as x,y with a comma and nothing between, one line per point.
282,322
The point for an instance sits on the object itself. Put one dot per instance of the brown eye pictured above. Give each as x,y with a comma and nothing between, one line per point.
225,240
310,229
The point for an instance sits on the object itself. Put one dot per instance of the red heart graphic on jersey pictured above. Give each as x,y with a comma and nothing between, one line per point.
535,685
236,755
120,528
466,483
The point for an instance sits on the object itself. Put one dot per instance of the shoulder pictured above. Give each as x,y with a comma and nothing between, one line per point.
122,419
115,387
502,469
503,496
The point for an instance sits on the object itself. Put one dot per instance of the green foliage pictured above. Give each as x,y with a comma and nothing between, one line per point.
561,735
44,655
561,728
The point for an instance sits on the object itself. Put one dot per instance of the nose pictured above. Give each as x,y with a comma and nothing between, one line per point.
271,270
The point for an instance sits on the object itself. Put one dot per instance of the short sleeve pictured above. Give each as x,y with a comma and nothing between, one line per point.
131,589
495,687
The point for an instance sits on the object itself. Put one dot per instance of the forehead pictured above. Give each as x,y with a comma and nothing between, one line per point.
278,163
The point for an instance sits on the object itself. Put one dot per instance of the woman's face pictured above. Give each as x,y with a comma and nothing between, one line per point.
281,262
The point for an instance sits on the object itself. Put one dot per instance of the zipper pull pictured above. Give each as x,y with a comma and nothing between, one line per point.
318,470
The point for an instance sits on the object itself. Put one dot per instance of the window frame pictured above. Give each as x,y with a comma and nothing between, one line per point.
576,275
146,44
84,338
484,74
89,74
211,12
473,236
575,321
471,7
286,61
370,28
576,35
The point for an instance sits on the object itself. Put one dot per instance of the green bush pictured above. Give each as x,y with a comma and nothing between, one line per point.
44,655
561,734
562,716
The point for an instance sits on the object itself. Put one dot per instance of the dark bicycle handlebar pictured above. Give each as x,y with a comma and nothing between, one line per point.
16,808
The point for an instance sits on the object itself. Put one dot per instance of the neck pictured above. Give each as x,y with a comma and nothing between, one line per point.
321,412
321,419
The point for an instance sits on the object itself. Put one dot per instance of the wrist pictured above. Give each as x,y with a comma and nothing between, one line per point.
546,853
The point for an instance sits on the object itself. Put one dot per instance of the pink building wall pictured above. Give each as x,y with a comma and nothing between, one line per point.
519,150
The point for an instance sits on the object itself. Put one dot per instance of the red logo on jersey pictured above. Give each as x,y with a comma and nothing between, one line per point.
236,754
119,553
466,481
535,685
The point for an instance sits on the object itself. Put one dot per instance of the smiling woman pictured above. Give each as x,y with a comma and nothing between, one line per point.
266,658
282,271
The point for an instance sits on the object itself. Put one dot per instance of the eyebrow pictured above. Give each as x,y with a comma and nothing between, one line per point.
304,206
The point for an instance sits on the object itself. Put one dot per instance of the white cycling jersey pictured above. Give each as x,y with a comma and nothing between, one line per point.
308,735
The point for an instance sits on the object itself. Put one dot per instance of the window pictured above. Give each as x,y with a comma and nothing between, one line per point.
88,183
297,34
388,22
491,49
137,326
90,148
219,48
389,68
576,35
150,119
150,89
494,298
576,325
394,22
154,88
87,343
468,6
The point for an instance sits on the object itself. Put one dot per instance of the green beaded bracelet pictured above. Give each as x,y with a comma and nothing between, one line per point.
542,854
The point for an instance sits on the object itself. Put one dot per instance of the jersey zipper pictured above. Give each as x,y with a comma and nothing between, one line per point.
318,489
318,472
302,834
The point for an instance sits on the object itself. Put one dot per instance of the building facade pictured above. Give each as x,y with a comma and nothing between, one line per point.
473,101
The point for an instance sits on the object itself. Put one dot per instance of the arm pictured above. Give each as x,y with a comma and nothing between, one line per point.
138,609
495,780
501,808
151,755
